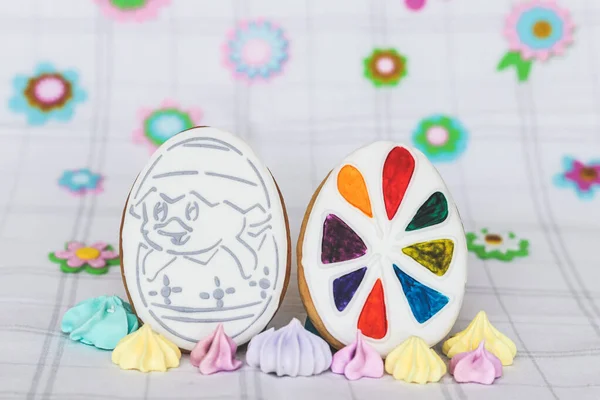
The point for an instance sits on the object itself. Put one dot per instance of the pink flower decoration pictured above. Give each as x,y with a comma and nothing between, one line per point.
158,125
530,29
147,10
583,177
95,258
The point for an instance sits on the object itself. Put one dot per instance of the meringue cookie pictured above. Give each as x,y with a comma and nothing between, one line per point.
358,360
414,361
291,351
477,366
100,321
481,329
215,353
146,350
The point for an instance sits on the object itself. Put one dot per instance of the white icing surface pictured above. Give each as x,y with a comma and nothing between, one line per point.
204,239
384,240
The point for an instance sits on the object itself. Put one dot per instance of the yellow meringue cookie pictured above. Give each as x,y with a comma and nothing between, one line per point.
414,361
481,329
146,350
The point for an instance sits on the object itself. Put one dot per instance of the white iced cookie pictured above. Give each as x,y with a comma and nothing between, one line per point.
205,239
382,249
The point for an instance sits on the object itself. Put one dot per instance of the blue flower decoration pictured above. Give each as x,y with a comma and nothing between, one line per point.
80,181
584,178
47,94
256,50
441,138
100,321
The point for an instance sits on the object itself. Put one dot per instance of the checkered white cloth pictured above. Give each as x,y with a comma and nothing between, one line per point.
302,123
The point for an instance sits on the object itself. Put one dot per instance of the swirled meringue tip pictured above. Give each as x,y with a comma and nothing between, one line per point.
215,353
289,351
414,361
357,360
481,329
100,321
146,350
477,366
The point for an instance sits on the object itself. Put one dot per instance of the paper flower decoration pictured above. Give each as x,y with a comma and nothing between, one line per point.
385,67
256,50
289,351
477,366
441,138
215,353
357,360
503,246
414,361
94,259
583,178
157,125
146,351
536,30
415,5
81,181
481,329
131,10
100,321
47,94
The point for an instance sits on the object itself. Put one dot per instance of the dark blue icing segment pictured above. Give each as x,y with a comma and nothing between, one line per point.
340,242
345,287
424,301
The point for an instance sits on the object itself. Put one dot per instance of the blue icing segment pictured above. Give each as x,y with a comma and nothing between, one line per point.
100,321
345,287
424,301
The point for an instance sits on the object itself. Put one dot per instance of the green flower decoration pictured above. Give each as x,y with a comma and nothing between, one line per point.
385,67
94,259
500,246
441,138
160,124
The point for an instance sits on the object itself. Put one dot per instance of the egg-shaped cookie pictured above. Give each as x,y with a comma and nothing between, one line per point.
382,249
205,239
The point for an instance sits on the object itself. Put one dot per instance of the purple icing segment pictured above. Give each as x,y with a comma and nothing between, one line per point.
345,286
340,242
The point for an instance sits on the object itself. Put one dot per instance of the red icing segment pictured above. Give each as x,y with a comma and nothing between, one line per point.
397,171
373,320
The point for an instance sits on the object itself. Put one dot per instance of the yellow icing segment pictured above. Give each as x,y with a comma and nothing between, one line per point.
353,188
481,329
435,255
414,361
146,350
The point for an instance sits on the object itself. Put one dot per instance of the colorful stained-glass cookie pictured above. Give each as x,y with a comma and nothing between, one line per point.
382,249
205,239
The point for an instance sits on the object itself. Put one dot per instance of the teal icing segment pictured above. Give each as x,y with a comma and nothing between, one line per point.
100,321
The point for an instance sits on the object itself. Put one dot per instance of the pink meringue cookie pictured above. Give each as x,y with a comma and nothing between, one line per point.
358,360
477,366
215,353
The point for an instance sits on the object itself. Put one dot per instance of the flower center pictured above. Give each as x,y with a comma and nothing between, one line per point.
588,174
437,135
492,238
49,89
542,29
128,4
256,52
385,65
87,253
80,179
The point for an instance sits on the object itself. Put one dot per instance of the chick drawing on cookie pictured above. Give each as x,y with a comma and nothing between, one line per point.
206,252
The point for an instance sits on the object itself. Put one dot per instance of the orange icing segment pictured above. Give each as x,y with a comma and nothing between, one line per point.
352,187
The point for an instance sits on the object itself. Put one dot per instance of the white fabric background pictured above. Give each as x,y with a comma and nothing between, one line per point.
302,123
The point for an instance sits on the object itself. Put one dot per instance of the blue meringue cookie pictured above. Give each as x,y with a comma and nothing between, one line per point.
100,321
